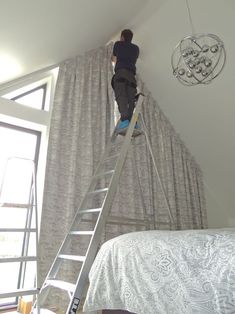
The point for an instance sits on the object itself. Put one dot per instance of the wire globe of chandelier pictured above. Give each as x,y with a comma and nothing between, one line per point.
199,58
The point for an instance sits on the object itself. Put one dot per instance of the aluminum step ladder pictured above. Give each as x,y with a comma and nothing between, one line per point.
75,291
30,229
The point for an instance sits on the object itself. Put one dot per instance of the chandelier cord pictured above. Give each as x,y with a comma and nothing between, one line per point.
190,18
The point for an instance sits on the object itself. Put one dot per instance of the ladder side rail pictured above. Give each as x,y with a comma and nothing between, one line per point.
54,267
146,218
35,207
156,169
94,243
26,238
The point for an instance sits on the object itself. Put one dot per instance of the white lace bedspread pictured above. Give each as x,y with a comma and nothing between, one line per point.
161,272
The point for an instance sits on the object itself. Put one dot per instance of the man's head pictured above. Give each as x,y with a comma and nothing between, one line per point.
126,35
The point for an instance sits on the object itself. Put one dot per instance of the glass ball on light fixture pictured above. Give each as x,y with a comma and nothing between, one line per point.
189,74
198,69
185,53
208,62
181,71
205,72
191,65
214,48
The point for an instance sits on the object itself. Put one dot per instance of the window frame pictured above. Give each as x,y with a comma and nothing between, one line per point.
28,118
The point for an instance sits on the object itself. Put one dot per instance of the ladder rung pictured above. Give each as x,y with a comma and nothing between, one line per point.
137,132
81,232
61,284
89,210
17,230
103,174
18,292
16,205
18,259
98,191
115,220
72,257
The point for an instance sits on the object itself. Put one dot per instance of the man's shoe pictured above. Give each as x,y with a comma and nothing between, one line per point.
123,124
122,127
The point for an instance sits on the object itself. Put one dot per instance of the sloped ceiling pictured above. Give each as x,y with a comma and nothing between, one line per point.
37,34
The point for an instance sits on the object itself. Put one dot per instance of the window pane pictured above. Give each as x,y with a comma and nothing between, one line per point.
17,176
8,277
34,99
15,143
11,244
12,217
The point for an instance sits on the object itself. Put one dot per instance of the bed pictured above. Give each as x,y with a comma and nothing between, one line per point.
160,272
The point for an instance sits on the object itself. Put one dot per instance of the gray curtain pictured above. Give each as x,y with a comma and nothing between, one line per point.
82,121
80,127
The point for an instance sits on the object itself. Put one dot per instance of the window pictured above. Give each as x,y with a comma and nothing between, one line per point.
21,146
25,111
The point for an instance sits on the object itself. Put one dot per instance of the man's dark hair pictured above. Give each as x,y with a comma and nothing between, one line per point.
127,35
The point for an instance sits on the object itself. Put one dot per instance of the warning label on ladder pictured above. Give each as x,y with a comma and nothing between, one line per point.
74,306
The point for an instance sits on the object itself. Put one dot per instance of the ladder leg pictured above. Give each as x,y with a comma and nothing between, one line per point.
147,226
156,169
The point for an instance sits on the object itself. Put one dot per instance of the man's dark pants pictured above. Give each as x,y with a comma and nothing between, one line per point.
124,85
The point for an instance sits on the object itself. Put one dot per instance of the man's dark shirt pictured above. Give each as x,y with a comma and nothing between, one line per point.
127,54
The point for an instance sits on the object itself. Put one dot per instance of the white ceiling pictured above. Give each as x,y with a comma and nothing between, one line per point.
37,34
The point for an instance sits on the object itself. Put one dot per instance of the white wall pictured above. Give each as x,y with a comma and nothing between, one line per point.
203,115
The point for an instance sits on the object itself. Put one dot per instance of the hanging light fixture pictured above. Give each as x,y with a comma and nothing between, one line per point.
199,58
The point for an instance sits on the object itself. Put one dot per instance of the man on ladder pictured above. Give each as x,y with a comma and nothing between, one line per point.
125,55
